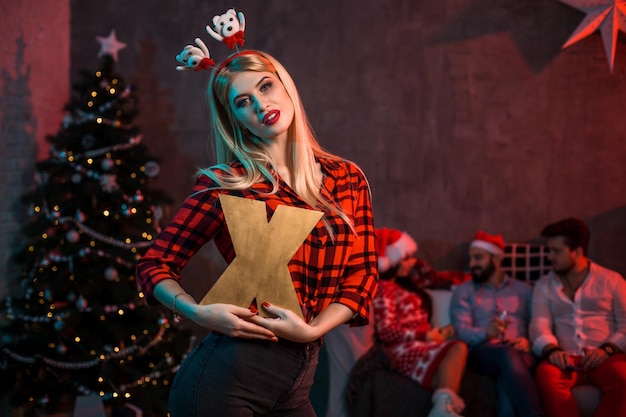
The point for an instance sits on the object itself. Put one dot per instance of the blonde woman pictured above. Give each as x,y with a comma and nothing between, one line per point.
249,365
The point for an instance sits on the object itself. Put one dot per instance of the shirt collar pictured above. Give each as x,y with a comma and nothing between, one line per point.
592,271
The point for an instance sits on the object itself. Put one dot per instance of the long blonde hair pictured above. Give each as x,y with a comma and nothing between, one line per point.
232,143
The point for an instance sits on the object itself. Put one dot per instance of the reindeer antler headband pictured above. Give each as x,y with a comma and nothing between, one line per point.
228,28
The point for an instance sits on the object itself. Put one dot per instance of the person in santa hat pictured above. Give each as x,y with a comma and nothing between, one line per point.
491,313
401,315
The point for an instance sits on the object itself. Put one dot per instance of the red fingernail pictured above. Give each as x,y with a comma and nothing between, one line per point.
266,304
253,310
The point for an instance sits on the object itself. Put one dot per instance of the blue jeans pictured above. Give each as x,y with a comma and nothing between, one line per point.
231,377
513,374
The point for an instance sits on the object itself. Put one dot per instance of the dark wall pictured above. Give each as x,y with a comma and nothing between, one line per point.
464,114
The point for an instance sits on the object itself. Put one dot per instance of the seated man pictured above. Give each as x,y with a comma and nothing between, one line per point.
490,313
578,325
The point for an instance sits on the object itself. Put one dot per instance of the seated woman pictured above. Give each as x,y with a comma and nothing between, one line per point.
401,312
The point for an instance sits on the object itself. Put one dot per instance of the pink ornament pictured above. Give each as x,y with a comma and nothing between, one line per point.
107,164
80,216
72,236
81,303
152,169
111,274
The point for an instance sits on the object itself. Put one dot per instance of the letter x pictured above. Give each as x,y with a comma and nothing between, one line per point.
262,252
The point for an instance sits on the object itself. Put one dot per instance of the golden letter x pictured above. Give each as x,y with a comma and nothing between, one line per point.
262,252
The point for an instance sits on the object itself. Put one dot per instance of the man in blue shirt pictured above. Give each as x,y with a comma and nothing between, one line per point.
491,313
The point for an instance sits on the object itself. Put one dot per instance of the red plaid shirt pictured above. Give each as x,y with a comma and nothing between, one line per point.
323,271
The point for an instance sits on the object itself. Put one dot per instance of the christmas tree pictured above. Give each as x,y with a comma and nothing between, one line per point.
79,325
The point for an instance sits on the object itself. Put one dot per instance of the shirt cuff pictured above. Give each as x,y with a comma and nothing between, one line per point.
619,340
542,341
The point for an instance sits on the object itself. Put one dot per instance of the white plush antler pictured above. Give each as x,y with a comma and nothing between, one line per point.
213,33
192,56
242,21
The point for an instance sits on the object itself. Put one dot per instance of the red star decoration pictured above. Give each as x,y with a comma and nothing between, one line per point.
110,45
608,15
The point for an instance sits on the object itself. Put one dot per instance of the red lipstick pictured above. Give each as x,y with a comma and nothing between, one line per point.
271,117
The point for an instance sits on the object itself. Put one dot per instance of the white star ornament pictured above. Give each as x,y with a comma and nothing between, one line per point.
110,45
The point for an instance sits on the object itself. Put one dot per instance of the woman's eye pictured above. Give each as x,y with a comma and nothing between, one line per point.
242,102
266,86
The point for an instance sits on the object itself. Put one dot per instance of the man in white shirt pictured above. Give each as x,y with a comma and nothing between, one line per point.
578,325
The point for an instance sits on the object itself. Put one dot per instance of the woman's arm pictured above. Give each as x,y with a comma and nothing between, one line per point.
358,285
195,223
289,326
223,318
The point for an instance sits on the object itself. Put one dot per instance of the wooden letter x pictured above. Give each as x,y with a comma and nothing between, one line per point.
262,251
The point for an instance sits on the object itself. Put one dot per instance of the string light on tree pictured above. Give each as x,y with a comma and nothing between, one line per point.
79,326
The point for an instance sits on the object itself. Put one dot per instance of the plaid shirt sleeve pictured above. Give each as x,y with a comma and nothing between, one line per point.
360,278
196,222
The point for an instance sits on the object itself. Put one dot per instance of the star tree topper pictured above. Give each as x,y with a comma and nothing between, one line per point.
110,45
608,15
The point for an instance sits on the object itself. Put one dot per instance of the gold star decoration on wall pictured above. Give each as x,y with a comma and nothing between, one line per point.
110,45
607,15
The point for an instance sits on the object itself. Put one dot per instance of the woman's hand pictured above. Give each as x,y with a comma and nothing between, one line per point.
232,321
227,319
435,335
286,324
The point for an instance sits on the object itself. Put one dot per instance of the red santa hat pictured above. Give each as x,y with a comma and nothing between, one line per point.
494,244
393,246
